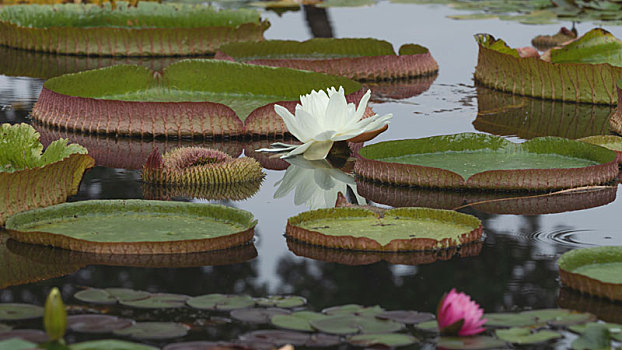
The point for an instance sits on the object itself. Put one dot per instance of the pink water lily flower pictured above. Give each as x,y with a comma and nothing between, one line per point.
458,314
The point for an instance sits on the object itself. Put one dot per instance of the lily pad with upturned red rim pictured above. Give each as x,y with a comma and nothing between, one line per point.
101,226
478,161
611,142
596,271
356,58
190,98
403,229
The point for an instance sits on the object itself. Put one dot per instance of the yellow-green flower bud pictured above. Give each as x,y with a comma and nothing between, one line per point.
55,316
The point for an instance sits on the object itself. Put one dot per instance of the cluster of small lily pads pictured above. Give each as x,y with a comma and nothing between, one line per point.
269,322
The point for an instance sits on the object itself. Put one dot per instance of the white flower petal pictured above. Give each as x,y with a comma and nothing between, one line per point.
336,113
292,124
360,111
318,150
298,150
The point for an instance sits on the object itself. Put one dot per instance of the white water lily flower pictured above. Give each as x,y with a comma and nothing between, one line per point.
323,118
315,183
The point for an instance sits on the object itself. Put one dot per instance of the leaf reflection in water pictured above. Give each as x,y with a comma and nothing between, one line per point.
315,183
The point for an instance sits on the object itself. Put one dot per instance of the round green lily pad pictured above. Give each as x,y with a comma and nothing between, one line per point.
110,344
15,311
352,324
244,105
110,295
596,271
356,58
33,335
134,227
220,302
149,29
297,321
258,315
17,344
611,142
286,301
406,316
553,317
402,229
479,161
520,335
158,301
96,323
615,329
384,340
353,309
154,330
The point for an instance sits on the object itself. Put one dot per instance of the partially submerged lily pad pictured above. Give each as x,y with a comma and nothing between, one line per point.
359,59
583,71
31,178
611,142
149,29
520,335
544,42
154,227
596,271
480,161
398,230
190,98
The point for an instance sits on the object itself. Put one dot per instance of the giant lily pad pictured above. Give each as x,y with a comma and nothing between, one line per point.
604,309
611,142
596,271
150,29
519,203
190,98
504,114
134,227
359,59
30,178
615,121
583,71
480,161
397,230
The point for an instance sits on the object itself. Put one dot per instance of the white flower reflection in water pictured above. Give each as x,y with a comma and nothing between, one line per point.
315,183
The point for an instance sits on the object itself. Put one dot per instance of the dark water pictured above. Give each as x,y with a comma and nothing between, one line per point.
515,266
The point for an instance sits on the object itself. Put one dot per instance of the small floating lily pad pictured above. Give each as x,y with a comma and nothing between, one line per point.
554,317
134,227
17,344
611,142
406,316
520,335
33,335
401,229
286,301
481,161
471,343
595,336
149,29
163,102
615,330
158,301
258,315
16,311
110,344
384,340
110,295
297,321
596,271
428,326
352,324
280,337
353,309
359,59
96,323
154,330
222,302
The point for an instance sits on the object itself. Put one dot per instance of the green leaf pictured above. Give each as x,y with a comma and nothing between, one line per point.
596,46
519,335
14,311
154,330
286,301
615,330
471,343
221,302
298,321
388,340
351,324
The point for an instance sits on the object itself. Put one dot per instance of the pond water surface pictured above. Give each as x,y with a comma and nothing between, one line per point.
515,266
